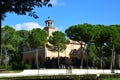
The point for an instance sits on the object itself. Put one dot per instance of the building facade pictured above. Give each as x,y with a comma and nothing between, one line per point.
29,56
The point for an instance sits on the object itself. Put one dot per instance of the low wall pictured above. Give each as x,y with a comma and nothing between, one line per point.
45,71
90,71
41,72
68,71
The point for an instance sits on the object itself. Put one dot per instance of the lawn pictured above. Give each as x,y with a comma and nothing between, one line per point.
111,79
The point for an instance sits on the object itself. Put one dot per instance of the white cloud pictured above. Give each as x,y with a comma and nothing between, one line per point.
27,26
54,2
2,26
60,28
57,3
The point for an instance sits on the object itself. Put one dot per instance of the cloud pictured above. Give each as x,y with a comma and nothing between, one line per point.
27,26
57,3
54,2
60,28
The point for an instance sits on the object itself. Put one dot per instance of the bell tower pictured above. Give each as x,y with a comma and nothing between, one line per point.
49,26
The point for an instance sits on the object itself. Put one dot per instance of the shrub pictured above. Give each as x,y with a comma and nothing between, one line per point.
27,66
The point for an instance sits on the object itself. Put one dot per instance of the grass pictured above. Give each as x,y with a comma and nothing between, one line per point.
12,71
110,79
58,77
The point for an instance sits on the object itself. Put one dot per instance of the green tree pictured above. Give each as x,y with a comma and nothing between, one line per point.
59,42
24,37
10,41
113,42
92,54
22,7
80,33
100,37
37,39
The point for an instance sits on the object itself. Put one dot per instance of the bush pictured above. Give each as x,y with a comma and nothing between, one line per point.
27,66
9,67
2,67
16,66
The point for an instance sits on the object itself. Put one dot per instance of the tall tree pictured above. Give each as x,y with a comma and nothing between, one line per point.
59,42
100,38
22,7
113,42
24,36
80,33
92,54
10,40
37,39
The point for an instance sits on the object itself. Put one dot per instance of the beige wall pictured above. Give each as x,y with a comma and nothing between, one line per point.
65,53
50,30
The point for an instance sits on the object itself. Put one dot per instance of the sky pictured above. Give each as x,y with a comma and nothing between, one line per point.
66,13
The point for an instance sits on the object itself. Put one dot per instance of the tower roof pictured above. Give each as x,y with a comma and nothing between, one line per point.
49,21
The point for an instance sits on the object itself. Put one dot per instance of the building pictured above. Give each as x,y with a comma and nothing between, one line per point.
29,55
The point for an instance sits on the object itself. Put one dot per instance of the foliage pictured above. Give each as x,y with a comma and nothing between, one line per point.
27,66
22,7
37,38
92,53
9,44
114,35
99,41
9,36
59,42
103,37
81,32
24,37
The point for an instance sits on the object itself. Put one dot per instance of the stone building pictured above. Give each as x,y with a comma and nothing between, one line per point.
29,55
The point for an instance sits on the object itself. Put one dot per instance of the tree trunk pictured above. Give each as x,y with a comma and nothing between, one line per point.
81,61
113,59
101,58
98,51
1,57
81,55
58,58
37,66
93,64
119,61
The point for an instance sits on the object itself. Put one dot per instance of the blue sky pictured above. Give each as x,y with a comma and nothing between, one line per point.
69,12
